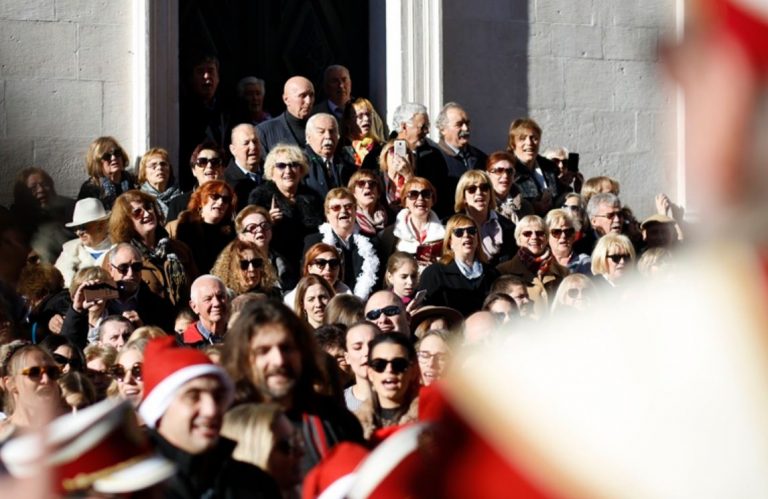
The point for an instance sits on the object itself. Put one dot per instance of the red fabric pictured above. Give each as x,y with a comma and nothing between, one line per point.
163,357
747,27
342,460
192,335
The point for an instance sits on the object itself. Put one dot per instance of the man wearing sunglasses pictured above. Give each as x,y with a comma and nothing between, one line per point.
327,168
208,299
385,309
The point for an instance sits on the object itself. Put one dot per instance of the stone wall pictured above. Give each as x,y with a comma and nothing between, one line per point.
65,79
586,70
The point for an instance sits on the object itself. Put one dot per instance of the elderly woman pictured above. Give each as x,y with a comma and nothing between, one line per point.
359,135
105,162
207,163
535,176
253,224
207,225
156,178
612,259
475,197
534,263
417,229
359,254
562,234
509,201
311,299
294,208
168,266
371,214
574,293
396,170
91,224
244,268
461,278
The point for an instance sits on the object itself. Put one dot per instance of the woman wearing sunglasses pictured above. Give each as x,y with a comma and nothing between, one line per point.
417,229
461,279
245,269
612,259
295,210
393,373
206,163
562,235
510,203
126,373
253,224
534,263
207,225
575,293
105,163
64,352
371,214
323,260
476,198
32,394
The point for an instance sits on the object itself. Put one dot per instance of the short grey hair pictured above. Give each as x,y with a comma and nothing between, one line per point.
250,80
334,67
405,113
442,117
601,198
315,117
128,246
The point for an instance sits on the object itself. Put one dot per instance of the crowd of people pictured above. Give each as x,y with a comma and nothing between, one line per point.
319,274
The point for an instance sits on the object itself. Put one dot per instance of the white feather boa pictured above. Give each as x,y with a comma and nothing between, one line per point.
366,280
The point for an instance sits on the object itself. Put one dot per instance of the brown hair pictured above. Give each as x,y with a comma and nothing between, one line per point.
301,289
96,150
420,181
155,151
519,125
227,266
317,249
121,228
250,210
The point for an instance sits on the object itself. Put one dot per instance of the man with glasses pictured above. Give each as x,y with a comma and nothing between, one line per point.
385,309
327,168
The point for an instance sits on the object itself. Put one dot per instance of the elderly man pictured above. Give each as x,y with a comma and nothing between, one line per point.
460,156
271,357
360,253
185,397
114,331
288,128
208,299
385,309
411,122
327,167
244,172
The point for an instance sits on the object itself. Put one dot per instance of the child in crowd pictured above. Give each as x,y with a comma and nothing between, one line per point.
402,277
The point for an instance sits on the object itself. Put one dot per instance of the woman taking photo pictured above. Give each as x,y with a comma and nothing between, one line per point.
396,170
105,163
475,198
253,224
311,299
245,269
371,215
461,278
393,373
156,178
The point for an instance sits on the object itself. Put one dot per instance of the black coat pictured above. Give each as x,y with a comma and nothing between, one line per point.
457,166
430,164
276,131
241,183
447,286
321,180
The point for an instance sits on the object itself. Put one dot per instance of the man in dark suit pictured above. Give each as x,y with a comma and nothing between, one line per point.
244,172
460,156
327,169
288,128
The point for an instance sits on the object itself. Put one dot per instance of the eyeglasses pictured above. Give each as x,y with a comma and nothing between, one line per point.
112,153
256,262
473,188
73,362
414,194
529,233
35,373
118,371
399,365
459,231
137,213
619,257
123,268
158,165
261,226
556,233
427,357
365,183
224,198
500,170
294,165
611,216
389,311
321,263
203,162
574,293
338,207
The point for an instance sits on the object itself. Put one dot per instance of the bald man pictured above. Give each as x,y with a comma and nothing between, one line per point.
288,128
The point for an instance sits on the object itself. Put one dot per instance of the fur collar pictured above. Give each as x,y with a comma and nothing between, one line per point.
367,421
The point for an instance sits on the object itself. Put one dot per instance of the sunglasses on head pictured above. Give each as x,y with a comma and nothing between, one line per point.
73,362
36,372
224,198
459,231
203,162
118,371
619,257
414,194
291,164
262,226
365,183
321,263
337,207
112,153
256,262
473,188
388,311
123,268
559,232
529,233
399,365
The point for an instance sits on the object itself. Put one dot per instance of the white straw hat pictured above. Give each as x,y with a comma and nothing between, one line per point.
86,211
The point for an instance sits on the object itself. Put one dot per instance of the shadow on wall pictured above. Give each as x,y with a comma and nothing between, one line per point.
485,65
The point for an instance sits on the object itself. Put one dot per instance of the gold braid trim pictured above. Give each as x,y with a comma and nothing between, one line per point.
85,480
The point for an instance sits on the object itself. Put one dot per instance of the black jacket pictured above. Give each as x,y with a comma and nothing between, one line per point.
276,131
447,286
323,181
213,474
241,183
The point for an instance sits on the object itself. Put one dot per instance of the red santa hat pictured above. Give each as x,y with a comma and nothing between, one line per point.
168,366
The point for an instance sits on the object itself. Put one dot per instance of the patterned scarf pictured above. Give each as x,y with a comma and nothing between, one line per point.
110,191
174,275
537,264
371,225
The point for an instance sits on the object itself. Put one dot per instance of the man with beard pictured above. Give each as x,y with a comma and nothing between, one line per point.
185,397
244,173
288,128
270,354
327,169
460,156
208,299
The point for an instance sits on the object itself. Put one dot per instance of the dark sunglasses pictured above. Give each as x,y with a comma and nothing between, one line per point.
459,231
73,362
365,183
333,263
529,233
293,164
123,268
36,372
569,232
224,198
619,257
203,162
414,194
388,311
473,188
252,228
118,372
113,153
137,213
399,365
337,207
256,262
500,170
575,293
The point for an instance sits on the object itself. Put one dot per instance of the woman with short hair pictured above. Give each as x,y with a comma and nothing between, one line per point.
156,178
612,260
562,235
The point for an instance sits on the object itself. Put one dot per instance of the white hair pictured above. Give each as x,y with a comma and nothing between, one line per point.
311,122
195,290
250,80
405,113
442,117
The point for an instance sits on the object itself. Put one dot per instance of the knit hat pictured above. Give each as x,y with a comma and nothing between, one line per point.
168,366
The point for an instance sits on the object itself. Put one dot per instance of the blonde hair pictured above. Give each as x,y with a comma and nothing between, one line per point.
294,155
251,426
147,332
453,222
594,185
606,244
471,177
567,284
155,151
